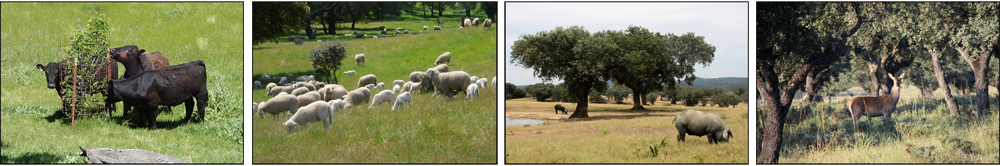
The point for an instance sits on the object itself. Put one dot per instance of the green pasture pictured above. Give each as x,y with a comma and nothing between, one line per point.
435,130
34,130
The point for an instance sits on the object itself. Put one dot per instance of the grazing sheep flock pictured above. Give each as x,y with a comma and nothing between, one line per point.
307,100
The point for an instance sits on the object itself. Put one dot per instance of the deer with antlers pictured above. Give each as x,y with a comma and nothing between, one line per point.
882,105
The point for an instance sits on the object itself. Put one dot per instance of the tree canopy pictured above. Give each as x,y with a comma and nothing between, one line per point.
273,19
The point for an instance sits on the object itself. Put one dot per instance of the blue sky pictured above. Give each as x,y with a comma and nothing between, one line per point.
724,25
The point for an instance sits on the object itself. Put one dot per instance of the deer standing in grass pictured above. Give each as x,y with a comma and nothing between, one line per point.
875,106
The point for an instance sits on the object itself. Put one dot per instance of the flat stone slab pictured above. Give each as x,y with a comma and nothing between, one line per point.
126,156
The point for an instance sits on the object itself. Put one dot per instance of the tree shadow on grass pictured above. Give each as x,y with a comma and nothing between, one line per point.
31,158
57,115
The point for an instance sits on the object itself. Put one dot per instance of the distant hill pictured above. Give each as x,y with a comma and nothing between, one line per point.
722,82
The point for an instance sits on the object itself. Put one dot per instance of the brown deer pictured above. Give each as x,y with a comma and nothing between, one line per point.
876,106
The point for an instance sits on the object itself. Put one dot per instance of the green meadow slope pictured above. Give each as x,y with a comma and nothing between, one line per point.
35,33
434,130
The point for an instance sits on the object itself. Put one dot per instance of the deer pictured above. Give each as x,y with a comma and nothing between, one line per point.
875,106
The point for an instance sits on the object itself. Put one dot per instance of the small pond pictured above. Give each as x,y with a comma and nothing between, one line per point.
522,122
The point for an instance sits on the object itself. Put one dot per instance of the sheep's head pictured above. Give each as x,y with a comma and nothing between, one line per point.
290,124
431,72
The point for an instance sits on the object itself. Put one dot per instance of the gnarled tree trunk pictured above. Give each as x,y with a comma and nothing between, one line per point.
939,74
979,69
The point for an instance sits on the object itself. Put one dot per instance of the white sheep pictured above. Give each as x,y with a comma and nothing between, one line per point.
473,79
347,34
407,86
269,86
282,80
415,87
370,86
442,68
335,105
356,96
448,83
403,100
316,111
494,81
278,104
300,91
306,99
330,92
256,85
360,59
475,22
278,89
386,96
486,24
482,82
471,91
415,76
380,85
437,28
425,27
254,108
395,88
374,37
318,84
367,79
306,85
264,78
398,82
351,73
466,23
406,31
443,58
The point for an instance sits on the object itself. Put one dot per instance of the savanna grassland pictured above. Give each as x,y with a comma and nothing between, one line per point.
921,131
615,134
34,129
434,130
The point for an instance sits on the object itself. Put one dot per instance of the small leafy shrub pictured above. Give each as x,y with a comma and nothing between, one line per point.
327,59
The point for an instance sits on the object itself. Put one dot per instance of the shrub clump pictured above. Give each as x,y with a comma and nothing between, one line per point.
327,60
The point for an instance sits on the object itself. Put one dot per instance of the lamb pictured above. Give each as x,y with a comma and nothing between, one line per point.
367,79
425,27
380,85
398,82
254,108
406,31
475,22
307,98
347,34
448,83
443,58
269,86
278,89
360,35
437,28
278,104
309,86
467,22
473,79
351,73
395,89
316,111
283,80
386,96
256,85
403,100
415,76
481,83
370,86
471,91
494,81
332,92
300,91
374,37
319,84
442,68
356,97
360,59
305,78
407,86
414,87
486,24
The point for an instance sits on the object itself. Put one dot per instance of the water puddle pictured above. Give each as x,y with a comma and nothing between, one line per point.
522,122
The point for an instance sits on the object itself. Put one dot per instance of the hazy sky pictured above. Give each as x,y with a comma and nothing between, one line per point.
724,25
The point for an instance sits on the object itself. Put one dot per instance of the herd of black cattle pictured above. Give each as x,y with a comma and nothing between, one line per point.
149,81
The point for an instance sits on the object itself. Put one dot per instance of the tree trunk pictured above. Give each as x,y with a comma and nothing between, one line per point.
810,89
582,92
636,98
326,29
979,69
939,73
874,76
308,19
355,21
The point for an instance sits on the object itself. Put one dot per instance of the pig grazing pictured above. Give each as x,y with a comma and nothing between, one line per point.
699,123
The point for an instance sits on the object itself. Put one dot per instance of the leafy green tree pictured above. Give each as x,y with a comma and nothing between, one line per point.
327,60
726,100
562,53
540,91
512,92
618,93
595,97
651,97
273,19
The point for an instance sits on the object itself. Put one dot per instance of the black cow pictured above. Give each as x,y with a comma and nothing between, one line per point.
168,86
136,62
54,79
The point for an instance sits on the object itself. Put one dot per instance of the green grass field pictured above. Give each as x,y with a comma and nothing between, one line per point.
35,33
614,134
921,131
435,130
